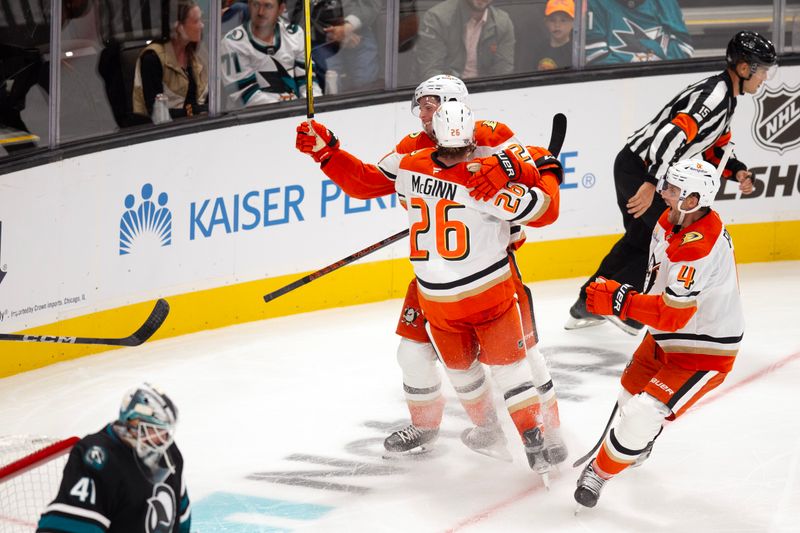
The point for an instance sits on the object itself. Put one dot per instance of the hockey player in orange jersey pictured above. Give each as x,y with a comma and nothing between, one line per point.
693,312
421,377
466,276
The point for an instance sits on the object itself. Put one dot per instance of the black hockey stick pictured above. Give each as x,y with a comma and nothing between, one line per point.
599,442
150,326
559,130
558,133
335,266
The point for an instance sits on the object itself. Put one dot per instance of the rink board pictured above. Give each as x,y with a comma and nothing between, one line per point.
214,220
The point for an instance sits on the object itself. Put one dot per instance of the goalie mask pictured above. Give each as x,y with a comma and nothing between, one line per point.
691,176
149,418
454,125
446,88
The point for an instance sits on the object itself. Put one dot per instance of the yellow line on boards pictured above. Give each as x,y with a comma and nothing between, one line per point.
355,284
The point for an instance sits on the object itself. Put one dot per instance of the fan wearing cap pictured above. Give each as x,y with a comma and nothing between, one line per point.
127,477
559,15
693,313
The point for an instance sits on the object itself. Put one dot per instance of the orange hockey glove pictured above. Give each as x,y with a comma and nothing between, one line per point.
494,173
607,297
319,144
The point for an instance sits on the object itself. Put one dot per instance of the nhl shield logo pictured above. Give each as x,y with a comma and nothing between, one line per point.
776,125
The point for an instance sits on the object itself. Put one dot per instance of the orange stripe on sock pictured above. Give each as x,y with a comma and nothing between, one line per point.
428,414
607,465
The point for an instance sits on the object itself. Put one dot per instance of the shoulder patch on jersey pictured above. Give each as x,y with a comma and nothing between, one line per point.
414,135
692,236
292,28
489,123
236,34
95,457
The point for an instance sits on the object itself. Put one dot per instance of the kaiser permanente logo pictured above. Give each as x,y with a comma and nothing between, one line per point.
145,223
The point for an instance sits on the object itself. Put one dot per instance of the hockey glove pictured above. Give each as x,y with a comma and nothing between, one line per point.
493,174
319,143
546,162
607,297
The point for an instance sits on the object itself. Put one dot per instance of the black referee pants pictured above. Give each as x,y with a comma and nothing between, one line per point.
627,260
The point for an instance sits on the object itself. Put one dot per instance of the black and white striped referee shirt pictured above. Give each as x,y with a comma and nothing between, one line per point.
694,121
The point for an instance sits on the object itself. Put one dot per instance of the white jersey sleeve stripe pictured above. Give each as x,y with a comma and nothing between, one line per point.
79,511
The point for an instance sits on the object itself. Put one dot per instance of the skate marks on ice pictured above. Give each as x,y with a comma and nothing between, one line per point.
338,482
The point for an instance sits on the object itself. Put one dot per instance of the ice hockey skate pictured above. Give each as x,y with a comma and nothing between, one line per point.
629,326
487,440
580,317
589,487
410,440
537,454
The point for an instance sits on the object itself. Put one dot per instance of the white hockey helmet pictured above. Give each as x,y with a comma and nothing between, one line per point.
150,418
453,125
692,176
447,88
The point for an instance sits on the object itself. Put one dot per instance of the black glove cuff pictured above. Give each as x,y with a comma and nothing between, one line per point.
334,141
620,295
507,165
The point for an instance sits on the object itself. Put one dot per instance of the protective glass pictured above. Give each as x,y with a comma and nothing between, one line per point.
767,71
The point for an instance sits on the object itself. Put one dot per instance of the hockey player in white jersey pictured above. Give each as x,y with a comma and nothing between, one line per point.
693,312
417,359
466,277
263,59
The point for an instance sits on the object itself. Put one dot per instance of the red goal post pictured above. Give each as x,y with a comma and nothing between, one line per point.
30,473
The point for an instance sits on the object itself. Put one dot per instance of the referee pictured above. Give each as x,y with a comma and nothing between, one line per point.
696,123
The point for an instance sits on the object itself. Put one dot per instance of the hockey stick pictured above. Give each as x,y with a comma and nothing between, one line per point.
150,326
335,266
309,64
557,134
599,442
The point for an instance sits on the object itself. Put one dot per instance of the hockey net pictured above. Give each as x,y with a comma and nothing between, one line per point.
30,473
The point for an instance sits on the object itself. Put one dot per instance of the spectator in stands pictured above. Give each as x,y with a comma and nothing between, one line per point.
234,13
631,31
343,42
263,60
559,16
174,68
465,38
356,63
23,65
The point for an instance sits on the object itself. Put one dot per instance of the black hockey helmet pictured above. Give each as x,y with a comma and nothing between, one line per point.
752,48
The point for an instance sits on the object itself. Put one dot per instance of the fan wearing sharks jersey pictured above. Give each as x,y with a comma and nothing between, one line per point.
263,60
127,477
631,31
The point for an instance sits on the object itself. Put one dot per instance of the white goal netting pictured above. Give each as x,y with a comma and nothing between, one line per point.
30,473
